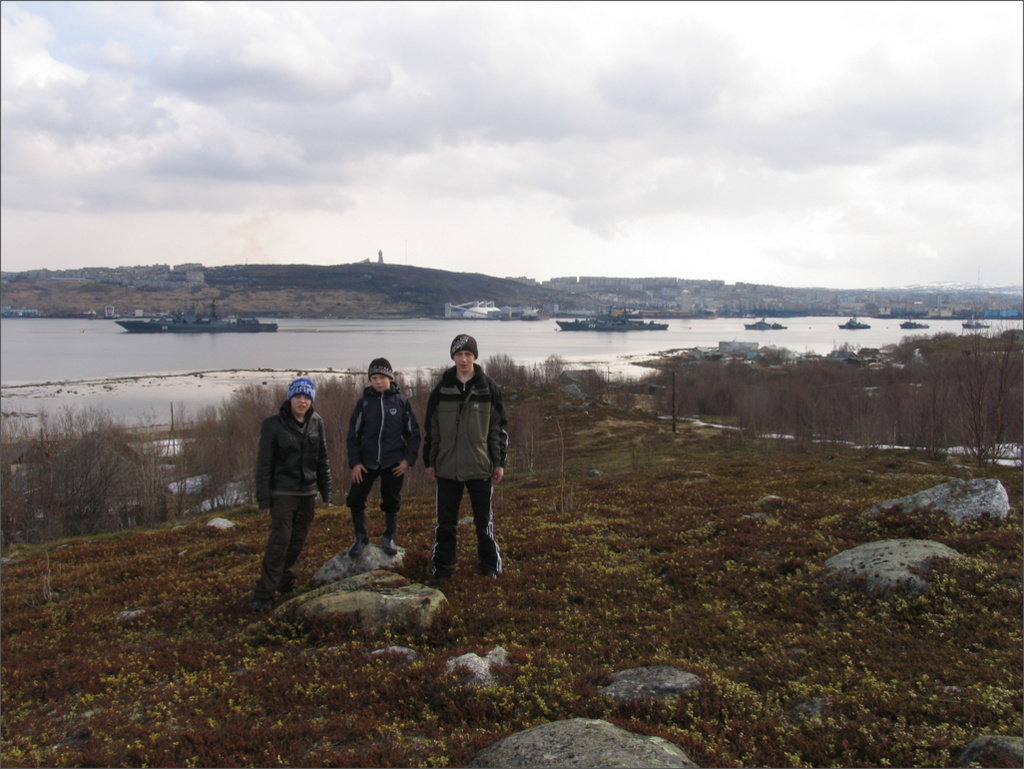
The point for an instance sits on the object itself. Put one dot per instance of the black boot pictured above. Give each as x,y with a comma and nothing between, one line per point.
388,540
362,539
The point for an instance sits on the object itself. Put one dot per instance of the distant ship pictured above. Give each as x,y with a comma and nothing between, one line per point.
190,322
853,325
763,325
534,314
913,324
611,321
972,323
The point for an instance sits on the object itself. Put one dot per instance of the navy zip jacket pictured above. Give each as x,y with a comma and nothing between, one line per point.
383,430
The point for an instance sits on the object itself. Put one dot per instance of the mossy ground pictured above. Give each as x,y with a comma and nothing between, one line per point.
654,561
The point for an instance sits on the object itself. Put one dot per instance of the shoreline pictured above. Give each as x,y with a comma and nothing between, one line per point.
140,398
132,397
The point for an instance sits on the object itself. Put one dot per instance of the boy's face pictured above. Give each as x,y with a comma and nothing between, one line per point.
380,383
300,405
464,360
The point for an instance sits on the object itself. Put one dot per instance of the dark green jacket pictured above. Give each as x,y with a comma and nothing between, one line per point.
464,429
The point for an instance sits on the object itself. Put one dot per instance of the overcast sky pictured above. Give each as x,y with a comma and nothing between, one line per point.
803,144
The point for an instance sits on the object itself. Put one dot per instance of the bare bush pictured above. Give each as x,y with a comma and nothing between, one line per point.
934,395
502,369
548,373
987,378
81,473
525,430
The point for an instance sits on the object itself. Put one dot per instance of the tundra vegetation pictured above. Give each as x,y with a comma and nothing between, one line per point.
629,540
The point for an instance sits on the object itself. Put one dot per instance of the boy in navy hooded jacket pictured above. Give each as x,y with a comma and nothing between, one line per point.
383,441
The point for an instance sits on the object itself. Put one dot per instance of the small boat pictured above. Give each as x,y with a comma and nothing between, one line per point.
973,323
183,322
763,325
913,324
853,325
611,321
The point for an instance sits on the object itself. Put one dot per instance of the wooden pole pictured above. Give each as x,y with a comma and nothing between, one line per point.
673,400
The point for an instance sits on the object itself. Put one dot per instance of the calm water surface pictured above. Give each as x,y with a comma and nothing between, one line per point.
47,363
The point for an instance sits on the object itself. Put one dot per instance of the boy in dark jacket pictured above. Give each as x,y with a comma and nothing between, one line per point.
464,448
291,467
383,441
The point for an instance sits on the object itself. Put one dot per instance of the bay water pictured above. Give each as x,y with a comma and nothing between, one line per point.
47,364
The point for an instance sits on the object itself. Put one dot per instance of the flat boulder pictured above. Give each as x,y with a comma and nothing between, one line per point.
581,742
657,682
960,500
374,601
343,565
889,566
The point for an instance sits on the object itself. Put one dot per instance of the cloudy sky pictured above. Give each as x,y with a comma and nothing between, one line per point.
803,144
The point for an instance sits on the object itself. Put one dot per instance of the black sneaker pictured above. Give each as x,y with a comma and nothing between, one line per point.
389,545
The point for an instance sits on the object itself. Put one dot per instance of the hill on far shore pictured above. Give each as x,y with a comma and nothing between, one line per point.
361,290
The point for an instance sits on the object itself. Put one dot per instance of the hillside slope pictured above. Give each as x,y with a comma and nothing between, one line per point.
140,649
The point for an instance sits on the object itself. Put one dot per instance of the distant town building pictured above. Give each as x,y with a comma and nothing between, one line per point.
472,311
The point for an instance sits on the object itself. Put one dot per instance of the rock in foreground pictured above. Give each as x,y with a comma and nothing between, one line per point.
375,600
581,742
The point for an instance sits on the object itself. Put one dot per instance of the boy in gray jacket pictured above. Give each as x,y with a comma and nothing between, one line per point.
465,445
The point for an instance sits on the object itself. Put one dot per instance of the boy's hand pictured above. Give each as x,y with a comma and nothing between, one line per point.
400,469
497,475
357,473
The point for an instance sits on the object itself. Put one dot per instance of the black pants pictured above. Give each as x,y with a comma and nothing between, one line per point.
448,498
390,491
290,519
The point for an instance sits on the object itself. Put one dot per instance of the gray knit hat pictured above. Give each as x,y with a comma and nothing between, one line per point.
464,342
381,366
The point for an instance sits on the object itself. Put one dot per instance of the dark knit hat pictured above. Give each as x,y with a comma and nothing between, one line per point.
464,342
302,386
381,366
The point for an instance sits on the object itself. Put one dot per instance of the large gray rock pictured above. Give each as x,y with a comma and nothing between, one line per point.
961,500
889,566
581,742
374,601
653,682
993,750
343,566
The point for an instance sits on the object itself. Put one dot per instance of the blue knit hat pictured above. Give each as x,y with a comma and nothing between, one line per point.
302,386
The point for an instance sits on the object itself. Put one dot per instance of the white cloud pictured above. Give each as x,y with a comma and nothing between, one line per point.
800,143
